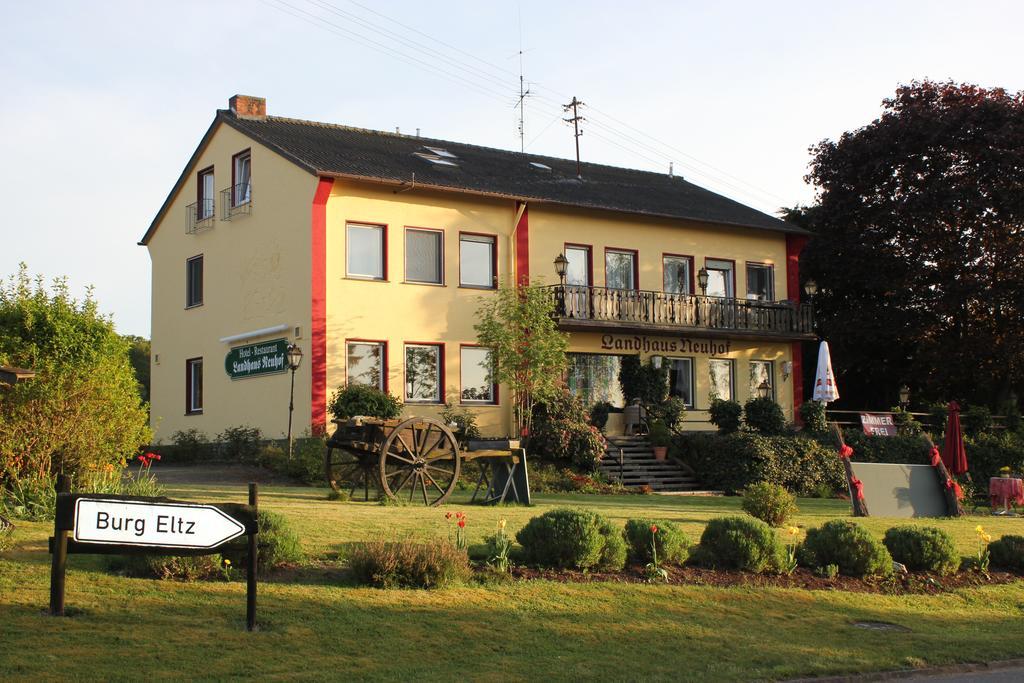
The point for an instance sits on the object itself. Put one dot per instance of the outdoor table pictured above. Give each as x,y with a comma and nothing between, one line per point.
1004,490
499,472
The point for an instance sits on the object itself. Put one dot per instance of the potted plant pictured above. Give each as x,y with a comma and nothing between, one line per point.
660,437
1004,472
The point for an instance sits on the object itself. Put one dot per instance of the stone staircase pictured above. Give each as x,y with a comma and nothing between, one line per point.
639,466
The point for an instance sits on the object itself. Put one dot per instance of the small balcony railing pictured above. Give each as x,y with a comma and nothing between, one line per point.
199,216
236,201
596,308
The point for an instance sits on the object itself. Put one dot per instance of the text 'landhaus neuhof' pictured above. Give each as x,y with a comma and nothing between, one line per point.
645,344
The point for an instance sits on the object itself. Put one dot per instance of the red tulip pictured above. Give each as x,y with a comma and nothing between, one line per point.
654,528
462,523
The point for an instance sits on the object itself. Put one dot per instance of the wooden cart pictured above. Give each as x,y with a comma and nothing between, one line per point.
414,458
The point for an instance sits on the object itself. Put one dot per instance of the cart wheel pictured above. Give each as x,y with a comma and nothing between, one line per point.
421,457
344,470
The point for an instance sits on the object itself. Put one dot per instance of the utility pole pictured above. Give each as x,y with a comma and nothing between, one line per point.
575,121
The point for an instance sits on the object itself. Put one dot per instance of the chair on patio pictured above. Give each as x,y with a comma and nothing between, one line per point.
635,417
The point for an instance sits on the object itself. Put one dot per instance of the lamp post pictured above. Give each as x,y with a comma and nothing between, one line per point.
904,397
294,358
702,280
811,288
561,265
763,389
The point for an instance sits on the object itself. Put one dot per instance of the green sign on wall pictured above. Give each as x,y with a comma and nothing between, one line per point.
264,358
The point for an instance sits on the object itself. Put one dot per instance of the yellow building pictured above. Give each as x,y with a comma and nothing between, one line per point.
371,252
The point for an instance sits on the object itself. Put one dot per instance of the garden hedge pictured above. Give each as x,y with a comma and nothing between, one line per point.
733,462
741,543
576,539
672,544
923,548
847,545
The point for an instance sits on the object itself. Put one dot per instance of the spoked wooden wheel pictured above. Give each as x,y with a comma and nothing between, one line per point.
420,459
346,470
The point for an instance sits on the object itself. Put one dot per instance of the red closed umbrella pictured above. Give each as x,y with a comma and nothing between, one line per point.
954,455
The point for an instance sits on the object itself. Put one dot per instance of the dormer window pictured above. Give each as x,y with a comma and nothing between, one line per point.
441,152
435,159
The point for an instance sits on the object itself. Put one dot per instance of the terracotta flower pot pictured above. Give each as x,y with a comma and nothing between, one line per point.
660,452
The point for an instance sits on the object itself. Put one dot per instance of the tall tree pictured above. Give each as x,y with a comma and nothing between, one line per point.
919,246
529,350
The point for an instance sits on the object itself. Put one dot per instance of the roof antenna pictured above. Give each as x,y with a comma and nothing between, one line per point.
670,173
523,91
575,121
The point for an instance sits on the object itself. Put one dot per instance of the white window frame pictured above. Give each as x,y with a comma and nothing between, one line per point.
438,398
383,232
382,385
732,377
190,300
491,240
693,376
440,256
752,296
192,365
493,400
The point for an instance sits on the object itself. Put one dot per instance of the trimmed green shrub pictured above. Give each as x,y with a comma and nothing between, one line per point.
847,545
976,420
276,544
561,431
922,548
733,462
190,445
670,411
910,450
599,413
740,543
1007,552
726,415
408,565
363,400
764,416
643,381
812,414
577,539
769,502
240,444
671,543
987,453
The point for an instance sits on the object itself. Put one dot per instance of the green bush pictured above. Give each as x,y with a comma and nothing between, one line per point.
464,420
659,434
906,424
922,548
189,445
1007,552
643,381
365,401
847,545
577,539
812,414
740,543
405,564
733,462
561,431
32,498
910,450
186,568
306,464
277,544
599,413
769,502
764,416
240,444
987,453
726,415
976,420
671,543
670,411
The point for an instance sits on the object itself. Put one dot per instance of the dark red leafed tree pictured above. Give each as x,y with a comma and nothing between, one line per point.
919,247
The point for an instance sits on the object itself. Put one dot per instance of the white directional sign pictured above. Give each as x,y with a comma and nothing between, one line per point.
178,525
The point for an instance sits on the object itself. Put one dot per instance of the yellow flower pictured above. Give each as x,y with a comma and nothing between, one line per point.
793,531
501,524
227,563
986,538
979,529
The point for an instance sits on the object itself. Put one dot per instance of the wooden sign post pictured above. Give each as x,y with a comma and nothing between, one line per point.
109,524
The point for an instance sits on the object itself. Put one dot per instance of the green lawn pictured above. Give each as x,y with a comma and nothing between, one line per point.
318,626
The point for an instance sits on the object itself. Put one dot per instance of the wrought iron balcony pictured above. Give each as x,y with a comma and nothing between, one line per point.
595,309
236,201
199,216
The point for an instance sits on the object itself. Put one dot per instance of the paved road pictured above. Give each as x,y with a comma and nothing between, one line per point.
1014,675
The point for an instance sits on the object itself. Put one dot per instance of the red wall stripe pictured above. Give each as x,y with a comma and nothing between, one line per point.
523,247
794,245
318,334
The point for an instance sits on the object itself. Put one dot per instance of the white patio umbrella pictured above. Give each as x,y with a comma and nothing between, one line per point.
825,389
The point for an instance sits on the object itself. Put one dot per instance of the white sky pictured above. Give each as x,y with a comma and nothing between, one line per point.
102,103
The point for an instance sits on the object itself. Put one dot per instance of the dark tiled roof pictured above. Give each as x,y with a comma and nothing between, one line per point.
327,149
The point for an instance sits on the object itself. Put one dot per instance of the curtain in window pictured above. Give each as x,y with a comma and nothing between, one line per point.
720,375
423,256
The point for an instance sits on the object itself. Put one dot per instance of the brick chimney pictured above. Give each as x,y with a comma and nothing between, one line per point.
247,107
